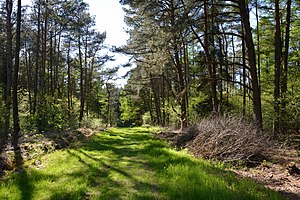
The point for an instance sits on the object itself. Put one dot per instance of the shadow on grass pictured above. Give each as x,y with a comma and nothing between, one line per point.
179,176
24,184
131,164
117,187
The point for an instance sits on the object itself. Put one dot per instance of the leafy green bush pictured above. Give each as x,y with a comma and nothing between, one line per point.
132,112
52,115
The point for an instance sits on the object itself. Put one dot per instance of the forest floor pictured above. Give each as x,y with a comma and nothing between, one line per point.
126,164
272,173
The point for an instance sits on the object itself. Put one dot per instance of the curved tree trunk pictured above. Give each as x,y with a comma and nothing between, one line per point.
256,99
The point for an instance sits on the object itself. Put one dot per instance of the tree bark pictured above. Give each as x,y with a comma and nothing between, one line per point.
278,52
37,58
258,40
9,66
86,69
180,75
81,82
44,52
285,62
256,99
208,42
69,78
15,136
29,73
244,73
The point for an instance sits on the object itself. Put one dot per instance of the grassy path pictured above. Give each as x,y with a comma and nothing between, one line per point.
126,164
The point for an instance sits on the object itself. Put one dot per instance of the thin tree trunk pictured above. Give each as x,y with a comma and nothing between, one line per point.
85,69
186,75
29,73
81,82
37,56
214,81
258,40
221,74
90,86
69,78
15,136
285,66
163,102
108,104
244,72
57,87
180,76
278,52
256,99
233,66
9,66
156,93
51,64
209,59
44,52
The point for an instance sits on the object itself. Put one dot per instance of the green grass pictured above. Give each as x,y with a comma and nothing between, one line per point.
127,164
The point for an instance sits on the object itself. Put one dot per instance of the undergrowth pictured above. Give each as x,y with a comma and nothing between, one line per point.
126,164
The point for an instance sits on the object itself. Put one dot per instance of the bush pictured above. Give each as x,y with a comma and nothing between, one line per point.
229,139
93,123
147,119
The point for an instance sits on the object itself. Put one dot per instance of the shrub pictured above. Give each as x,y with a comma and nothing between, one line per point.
229,139
93,123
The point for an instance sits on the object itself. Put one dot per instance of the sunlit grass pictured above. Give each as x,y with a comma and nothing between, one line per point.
127,164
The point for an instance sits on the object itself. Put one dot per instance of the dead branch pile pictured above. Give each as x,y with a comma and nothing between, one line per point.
229,139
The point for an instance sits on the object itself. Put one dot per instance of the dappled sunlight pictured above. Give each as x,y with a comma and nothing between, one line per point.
127,164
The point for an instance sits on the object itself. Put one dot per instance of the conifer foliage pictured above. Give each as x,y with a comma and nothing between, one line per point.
50,67
197,58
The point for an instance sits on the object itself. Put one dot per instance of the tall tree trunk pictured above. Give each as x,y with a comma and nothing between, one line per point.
15,136
86,69
221,74
186,75
29,73
90,85
51,63
244,72
232,90
278,52
163,96
37,58
108,104
258,40
180,75
285,64
256,99
81,82
44,52
214,81
56,78
69,78
208,41
9,66
156,95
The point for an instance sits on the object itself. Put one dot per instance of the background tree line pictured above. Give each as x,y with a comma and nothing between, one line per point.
194,59
51,69
197,58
